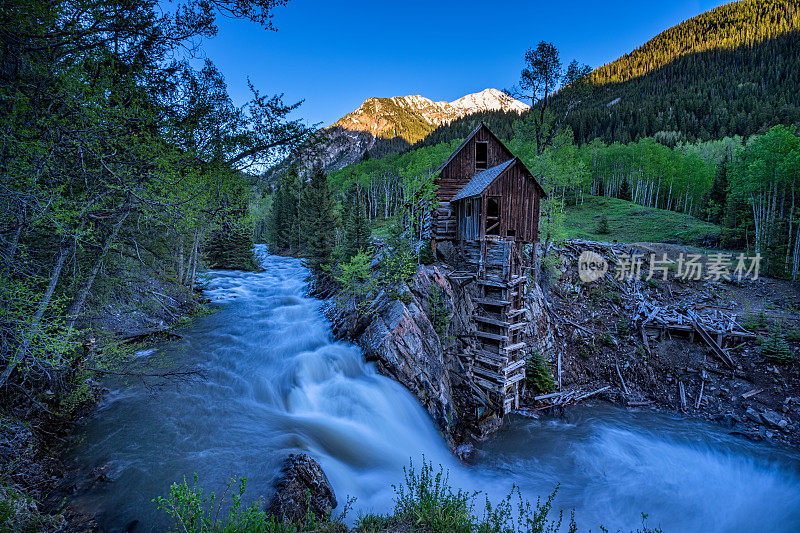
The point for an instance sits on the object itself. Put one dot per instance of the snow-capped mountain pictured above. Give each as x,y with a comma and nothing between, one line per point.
398,122
414,116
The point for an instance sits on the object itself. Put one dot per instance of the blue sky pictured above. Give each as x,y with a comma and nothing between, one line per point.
336,54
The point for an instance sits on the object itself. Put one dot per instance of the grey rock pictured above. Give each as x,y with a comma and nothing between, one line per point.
302,486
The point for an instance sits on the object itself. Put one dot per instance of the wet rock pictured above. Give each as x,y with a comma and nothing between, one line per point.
302,486
772,419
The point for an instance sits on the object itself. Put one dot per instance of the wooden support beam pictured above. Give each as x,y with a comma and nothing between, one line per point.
513,347
492,301
491,336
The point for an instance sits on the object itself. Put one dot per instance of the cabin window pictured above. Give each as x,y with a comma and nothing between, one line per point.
493,215
481,155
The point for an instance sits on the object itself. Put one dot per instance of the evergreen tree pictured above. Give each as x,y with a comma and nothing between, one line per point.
317,221
283,220
718,195
356,226
625,191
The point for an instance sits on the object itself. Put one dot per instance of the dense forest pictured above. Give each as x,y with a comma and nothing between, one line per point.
123,164
727,72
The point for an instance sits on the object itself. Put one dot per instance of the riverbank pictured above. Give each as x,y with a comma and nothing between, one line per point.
39,426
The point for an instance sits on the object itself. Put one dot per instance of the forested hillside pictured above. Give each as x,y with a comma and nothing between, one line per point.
730,71
733,70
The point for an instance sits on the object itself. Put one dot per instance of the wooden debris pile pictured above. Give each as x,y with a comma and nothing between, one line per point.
562,398
715,328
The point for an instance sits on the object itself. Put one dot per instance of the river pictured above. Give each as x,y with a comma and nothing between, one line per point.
275,381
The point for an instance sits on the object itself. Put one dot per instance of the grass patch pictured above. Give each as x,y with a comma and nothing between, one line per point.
629,222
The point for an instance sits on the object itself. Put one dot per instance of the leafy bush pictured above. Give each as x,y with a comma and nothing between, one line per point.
400,261
623,327
437,310
195,513
537,373
426,256
775,348
356,279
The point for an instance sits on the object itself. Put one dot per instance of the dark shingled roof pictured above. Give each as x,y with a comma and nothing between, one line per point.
481,180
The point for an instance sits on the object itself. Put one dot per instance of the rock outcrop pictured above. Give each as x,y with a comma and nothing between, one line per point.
404,345
398,335
302,487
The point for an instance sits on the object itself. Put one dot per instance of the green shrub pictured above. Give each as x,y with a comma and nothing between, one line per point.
406,297
623,327
537,373
399,264
437,310
426,256
607,339
193,512
356,279
755,322
602,225
775,348
652,283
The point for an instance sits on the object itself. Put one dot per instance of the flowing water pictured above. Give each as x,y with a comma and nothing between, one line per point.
275,382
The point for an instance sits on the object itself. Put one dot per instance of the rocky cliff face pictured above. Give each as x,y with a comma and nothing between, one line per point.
400,337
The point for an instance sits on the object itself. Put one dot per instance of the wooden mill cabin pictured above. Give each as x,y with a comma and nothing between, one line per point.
489,209
484,192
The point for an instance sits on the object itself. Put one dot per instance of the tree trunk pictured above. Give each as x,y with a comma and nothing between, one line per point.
55,274
80,298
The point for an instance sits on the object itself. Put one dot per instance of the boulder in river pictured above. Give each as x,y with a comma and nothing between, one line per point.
302,487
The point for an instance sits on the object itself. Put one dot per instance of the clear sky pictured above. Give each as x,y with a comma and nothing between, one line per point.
335,54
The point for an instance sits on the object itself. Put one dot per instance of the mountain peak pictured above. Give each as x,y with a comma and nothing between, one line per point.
413,116
489,100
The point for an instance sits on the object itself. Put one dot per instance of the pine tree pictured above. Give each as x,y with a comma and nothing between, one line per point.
356,226
625,191
283,220
718,195
317,221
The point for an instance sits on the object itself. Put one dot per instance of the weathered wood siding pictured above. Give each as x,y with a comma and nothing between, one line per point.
519,208
460,170
469,225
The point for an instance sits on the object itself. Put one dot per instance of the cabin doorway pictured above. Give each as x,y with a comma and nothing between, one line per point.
493,215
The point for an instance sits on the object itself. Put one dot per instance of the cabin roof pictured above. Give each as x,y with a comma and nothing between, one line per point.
481,180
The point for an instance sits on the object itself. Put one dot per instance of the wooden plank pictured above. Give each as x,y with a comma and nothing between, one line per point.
514,366
491,336
492,301
514,347
487,360
492,321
